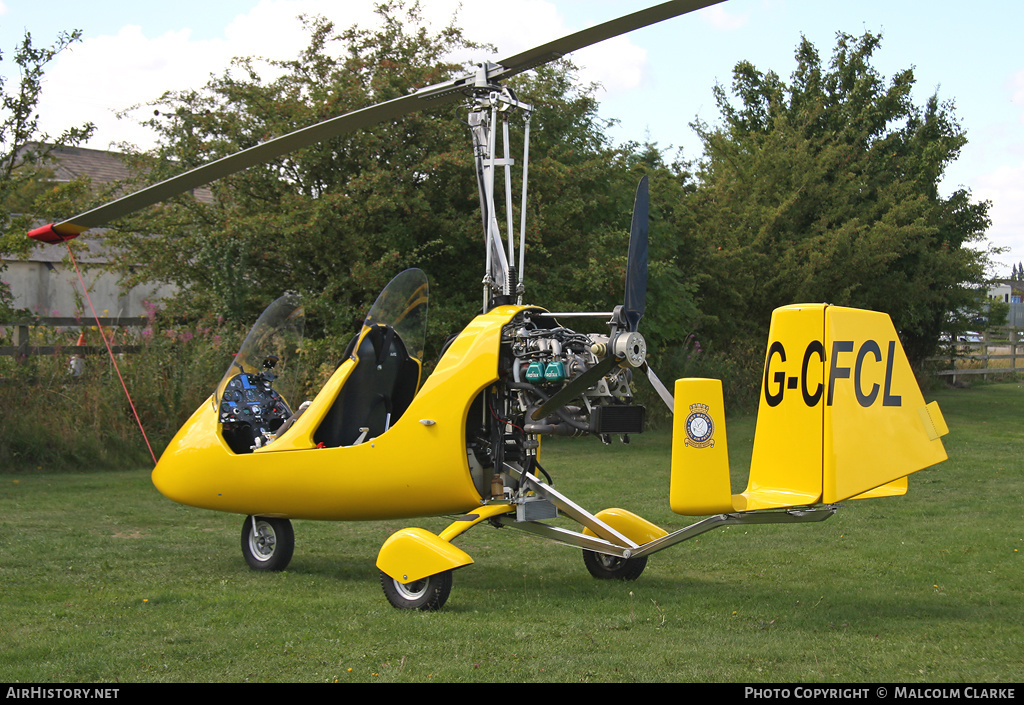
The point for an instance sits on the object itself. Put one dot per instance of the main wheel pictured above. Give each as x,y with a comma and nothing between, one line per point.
605,567
267,544
430,593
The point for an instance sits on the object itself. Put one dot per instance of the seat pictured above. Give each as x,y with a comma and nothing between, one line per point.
376,393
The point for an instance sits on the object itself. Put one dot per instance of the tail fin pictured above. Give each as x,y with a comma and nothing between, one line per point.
841,417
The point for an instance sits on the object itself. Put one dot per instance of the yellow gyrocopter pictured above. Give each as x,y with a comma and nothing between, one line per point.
841,416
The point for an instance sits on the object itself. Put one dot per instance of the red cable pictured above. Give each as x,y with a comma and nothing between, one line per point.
110,352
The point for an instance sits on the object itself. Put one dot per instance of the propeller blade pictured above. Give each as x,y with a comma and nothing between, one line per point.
660,388
592,35
636,262
264,152
576,387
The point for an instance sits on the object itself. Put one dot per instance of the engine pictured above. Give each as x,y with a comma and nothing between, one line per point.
538,359
542,360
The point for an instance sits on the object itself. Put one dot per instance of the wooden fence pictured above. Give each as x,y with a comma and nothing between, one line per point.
22,336
997,351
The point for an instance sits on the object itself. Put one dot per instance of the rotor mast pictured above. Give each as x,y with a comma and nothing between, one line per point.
489,112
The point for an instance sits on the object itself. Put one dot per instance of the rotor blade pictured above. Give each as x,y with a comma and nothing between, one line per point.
660,388
636,262
576,387
592,35
266,151
358,119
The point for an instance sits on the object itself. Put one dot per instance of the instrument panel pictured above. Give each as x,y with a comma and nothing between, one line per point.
250,411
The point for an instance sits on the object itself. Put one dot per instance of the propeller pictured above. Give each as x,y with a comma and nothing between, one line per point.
636,283
627,347
445,92
636,261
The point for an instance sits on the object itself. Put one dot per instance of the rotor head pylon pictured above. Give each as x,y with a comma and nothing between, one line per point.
490,110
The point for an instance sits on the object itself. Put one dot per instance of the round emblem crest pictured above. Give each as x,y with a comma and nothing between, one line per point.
700,427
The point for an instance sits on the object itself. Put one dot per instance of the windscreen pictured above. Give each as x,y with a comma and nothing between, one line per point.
403,306
271,346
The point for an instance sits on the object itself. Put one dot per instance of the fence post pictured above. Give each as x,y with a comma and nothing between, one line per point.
984,351
21,340
1013,349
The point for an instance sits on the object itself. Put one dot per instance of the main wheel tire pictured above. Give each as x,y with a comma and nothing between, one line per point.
269,545
427,594
605,567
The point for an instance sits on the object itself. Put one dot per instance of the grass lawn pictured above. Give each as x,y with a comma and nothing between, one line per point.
104,580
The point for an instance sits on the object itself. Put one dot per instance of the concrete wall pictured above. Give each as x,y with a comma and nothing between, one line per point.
51,289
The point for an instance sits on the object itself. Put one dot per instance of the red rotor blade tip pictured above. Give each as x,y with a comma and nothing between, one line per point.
51,234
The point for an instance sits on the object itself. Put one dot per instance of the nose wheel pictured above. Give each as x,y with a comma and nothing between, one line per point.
427,594
267,543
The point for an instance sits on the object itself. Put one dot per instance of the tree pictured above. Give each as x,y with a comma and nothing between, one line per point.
826,188
24,150
336,220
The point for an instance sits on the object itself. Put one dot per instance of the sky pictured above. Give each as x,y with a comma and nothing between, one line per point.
655,81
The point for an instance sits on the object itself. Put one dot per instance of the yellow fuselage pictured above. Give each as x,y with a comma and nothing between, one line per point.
419,467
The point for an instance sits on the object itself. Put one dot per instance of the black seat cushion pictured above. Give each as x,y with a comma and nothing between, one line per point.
377,392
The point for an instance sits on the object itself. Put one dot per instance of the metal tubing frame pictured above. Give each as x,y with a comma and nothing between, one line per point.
522,212
612,543
576,512
489,106
508,193
578,540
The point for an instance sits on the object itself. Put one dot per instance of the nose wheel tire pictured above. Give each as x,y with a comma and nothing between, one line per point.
605,567
427,594
267,544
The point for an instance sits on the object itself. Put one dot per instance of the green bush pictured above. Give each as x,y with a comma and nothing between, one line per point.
55,420
739,368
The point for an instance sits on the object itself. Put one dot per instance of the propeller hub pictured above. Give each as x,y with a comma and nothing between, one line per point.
630,347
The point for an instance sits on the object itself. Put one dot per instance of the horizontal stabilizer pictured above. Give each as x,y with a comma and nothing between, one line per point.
841,417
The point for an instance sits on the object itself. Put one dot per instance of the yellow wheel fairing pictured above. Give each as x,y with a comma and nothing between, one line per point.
634,527
413,554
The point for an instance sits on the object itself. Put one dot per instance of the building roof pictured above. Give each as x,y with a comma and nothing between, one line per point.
102,167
